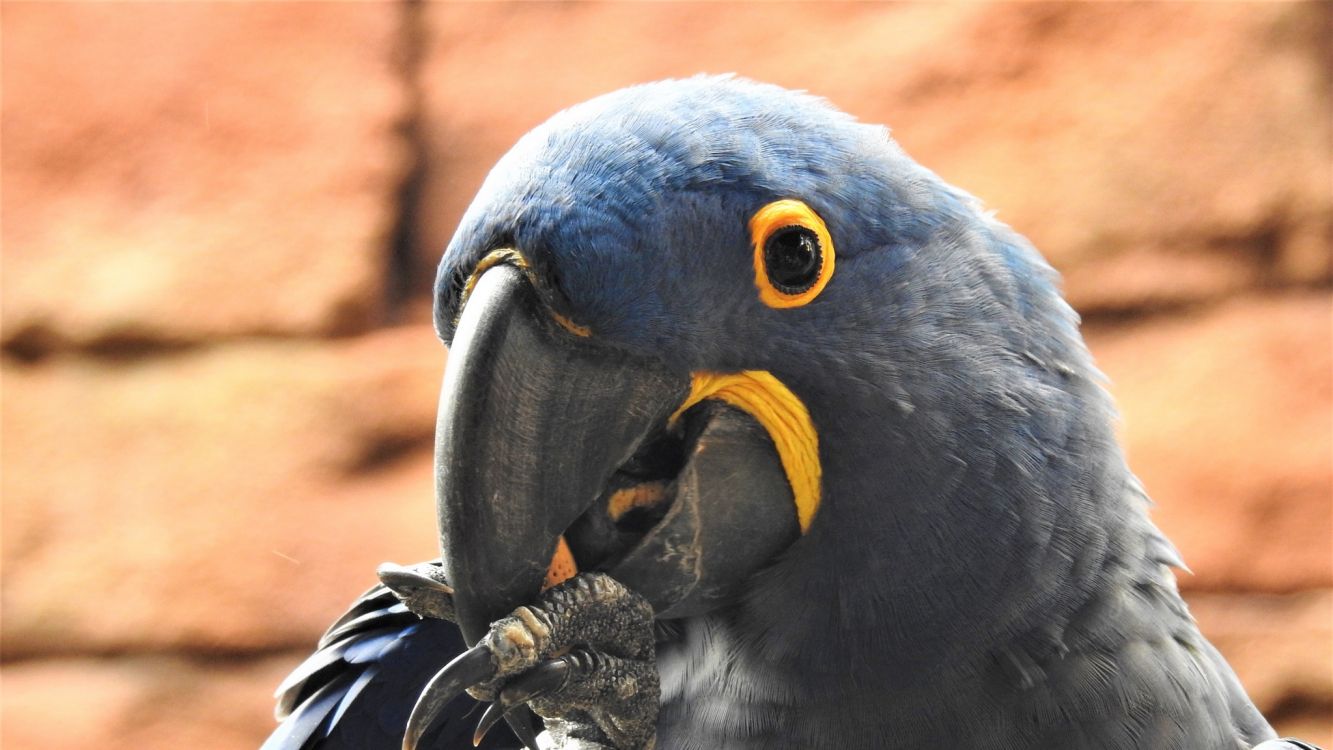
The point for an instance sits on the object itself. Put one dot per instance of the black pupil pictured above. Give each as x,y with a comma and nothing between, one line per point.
792,258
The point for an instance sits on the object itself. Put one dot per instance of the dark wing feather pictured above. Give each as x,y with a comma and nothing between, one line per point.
358,688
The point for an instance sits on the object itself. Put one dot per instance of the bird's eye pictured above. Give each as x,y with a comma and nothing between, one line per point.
793,253
792,257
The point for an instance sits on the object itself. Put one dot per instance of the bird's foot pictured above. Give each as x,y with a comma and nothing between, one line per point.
421,587
583,657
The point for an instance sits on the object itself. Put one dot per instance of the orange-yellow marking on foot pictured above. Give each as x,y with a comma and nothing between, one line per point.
562,567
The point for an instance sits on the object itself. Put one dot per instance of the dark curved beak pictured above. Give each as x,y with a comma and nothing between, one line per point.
533,421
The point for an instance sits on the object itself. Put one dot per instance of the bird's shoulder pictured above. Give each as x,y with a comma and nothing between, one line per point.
1130,662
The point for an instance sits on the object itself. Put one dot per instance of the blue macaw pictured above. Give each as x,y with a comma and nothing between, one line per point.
756,434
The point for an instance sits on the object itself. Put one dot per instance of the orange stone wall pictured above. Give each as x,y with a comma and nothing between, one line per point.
219,222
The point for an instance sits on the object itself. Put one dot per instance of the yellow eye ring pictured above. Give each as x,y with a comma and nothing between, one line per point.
793,253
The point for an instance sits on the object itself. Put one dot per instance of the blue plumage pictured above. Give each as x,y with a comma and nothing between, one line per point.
356,691
982,571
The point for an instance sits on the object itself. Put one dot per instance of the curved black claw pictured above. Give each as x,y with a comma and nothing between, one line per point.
521,723
470,667
542,679
494,712
421,587
583,657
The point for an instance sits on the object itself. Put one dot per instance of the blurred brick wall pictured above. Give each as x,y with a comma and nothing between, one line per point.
219,222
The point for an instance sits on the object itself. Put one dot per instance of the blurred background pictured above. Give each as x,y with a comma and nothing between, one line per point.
219,226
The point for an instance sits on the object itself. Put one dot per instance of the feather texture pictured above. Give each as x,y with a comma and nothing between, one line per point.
358,688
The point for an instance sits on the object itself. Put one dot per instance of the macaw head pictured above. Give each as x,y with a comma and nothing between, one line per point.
723,341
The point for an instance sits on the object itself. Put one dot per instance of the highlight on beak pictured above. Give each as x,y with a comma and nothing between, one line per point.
533,421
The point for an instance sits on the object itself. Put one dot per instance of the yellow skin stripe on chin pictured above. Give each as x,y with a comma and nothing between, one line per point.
782,414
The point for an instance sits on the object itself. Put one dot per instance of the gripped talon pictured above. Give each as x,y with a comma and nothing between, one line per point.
582,656
421,587
468,668
535,683
494,712
520,722
618,698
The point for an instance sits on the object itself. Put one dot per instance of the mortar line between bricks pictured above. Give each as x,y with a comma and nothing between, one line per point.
194,654
21,350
